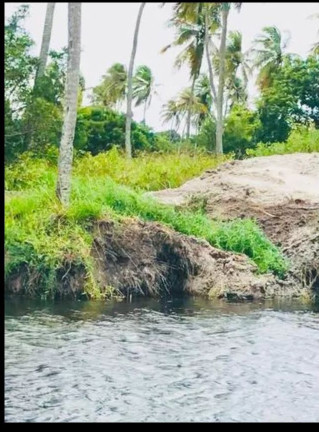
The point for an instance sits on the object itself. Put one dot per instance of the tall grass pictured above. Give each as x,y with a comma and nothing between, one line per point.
301,140
148,171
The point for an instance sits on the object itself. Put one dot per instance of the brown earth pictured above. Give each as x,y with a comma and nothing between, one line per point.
148,259
144,258
281,192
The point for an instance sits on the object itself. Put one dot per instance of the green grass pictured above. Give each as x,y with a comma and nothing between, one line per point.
40,233
148,171
301,140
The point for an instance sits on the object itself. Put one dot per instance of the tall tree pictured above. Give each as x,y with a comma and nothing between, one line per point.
128,145
221,78
218,13
63,188
237,70
203,93
188,21
112,90
45,45
143,87
268,54
172,114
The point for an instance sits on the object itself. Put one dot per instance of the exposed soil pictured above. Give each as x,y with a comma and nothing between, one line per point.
281,192
143,258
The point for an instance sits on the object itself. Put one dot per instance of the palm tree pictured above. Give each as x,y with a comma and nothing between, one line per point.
143,87
203,94
237,60
112,90
217,13
172,114
189,22
46,37
236,93
268,54
128,145
187,103
63,187
237,70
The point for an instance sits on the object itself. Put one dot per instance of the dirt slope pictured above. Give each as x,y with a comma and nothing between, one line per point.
281,192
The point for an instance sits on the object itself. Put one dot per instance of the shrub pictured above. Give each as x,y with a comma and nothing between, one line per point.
300,140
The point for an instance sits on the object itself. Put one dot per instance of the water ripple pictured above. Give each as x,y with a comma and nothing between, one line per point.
159,363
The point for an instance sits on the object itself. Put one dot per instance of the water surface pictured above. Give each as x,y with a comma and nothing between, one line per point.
161,361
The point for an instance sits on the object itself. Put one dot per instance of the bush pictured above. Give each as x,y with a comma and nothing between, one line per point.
300,140
99,129
241,125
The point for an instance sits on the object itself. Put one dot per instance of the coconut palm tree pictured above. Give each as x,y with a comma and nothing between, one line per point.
143,87
45,45
128,145
172,114
112,91
268,54
63,188
217,14
203,94
189,23
236,91
187,103
237,61
237,71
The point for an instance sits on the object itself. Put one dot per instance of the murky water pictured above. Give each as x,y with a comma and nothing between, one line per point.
184,360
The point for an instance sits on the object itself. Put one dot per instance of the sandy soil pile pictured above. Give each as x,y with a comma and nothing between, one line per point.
281,192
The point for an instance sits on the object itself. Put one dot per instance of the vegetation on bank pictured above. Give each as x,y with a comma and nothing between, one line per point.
301,140
148,171
48,237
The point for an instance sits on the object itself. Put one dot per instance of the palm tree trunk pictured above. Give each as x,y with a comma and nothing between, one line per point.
128,145
221,81
209,64
189,112
46,37
144,112
63,188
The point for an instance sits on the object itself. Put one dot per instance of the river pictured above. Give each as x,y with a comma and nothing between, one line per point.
182,360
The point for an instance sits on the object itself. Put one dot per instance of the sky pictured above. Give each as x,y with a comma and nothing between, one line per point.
107,35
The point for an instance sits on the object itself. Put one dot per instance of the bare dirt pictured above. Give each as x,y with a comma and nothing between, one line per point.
281,192
148,259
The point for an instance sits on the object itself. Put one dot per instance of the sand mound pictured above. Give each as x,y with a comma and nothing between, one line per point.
281,192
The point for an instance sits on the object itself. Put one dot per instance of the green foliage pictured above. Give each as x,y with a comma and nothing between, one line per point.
292,97
300,140
241,126
99,129
147,171
40,233
112,89
51,85
19,65
240,129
